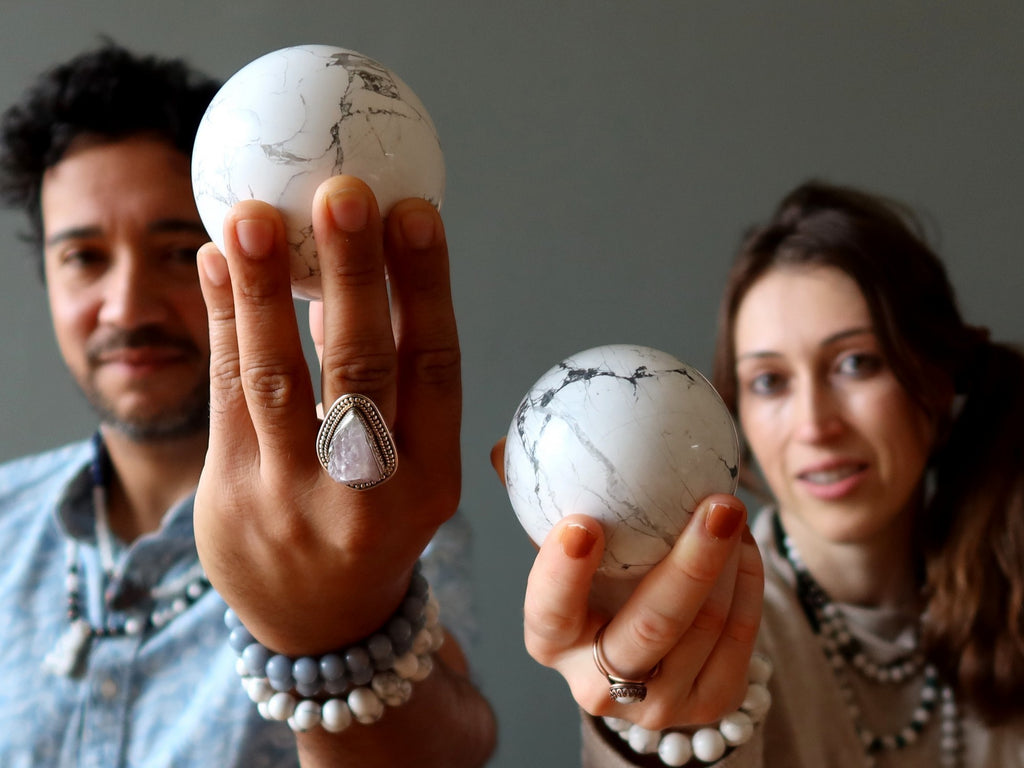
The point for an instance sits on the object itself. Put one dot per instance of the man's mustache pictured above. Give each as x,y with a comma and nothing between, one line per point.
138,338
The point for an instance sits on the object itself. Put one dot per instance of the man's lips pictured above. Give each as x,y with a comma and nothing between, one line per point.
143,357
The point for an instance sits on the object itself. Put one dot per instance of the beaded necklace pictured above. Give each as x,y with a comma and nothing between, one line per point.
844,653
169,601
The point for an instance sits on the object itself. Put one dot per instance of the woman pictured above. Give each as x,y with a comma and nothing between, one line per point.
888,432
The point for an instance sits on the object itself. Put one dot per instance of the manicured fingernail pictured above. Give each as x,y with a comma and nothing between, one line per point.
418,229
255,236
723,520
577,541
349,208
215,266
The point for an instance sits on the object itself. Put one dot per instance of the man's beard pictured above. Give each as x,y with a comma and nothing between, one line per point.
188,417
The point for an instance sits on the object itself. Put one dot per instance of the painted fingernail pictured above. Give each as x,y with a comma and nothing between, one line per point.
418,229
349,209
723,520
577,541
255,236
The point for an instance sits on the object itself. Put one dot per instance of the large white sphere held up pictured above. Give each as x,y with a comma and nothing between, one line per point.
628,435
293,118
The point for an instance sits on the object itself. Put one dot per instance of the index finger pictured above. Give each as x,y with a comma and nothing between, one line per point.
272,366
556,608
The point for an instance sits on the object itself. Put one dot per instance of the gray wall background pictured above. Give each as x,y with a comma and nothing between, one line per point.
603,158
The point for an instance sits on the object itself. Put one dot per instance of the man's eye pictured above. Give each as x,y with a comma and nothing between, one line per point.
185,254
82,257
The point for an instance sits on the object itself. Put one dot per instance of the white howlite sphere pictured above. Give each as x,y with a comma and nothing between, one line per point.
628,435
293,118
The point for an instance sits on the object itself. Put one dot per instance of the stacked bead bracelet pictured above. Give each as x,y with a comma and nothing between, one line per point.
708,744
354,683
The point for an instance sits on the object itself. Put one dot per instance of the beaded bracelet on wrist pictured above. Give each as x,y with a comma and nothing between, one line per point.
354,683
709,744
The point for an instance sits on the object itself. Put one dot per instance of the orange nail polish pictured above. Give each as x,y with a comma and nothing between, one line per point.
723,521
577,541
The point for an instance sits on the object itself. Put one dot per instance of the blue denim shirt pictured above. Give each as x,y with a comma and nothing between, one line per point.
165,697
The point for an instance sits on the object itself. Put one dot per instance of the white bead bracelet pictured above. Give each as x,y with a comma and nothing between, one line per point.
709,744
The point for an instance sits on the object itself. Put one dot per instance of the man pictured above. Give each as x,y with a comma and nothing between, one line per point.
115,649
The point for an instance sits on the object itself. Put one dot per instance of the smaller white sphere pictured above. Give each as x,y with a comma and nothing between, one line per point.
306,716
643,741
736,728
708,745
760,669
675,749
366,706
336,715
281,706
757,701
617,724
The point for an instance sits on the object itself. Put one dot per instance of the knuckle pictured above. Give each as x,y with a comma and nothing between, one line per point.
435,366
711,617
654,630
702,571
347,368
743,629
543,632
269,387
356,272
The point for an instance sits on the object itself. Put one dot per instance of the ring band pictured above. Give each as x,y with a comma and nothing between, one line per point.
622,690
354,444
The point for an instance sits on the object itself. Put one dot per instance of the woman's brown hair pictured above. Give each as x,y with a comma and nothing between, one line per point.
970,531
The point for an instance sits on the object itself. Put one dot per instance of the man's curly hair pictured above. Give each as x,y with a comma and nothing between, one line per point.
108,93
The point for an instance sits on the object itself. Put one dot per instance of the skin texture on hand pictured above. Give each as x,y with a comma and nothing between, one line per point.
308,564
697,613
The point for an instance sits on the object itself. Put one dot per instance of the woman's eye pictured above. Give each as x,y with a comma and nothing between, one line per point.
860,364
767,383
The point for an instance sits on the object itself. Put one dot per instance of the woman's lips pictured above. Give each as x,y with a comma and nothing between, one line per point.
833,480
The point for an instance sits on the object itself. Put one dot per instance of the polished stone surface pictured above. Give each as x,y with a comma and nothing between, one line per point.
628,435
293,118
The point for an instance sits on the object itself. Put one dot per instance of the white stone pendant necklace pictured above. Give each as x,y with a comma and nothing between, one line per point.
68,656
844,655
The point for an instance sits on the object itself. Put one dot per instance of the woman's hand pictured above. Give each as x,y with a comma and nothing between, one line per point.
697,613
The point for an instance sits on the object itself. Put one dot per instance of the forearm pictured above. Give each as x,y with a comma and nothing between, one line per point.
447,723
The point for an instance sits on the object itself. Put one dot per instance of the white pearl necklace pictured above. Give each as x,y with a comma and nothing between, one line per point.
843,653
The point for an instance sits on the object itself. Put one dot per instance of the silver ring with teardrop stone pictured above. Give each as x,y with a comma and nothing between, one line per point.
354,444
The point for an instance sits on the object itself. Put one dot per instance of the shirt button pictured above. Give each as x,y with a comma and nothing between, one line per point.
108,689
